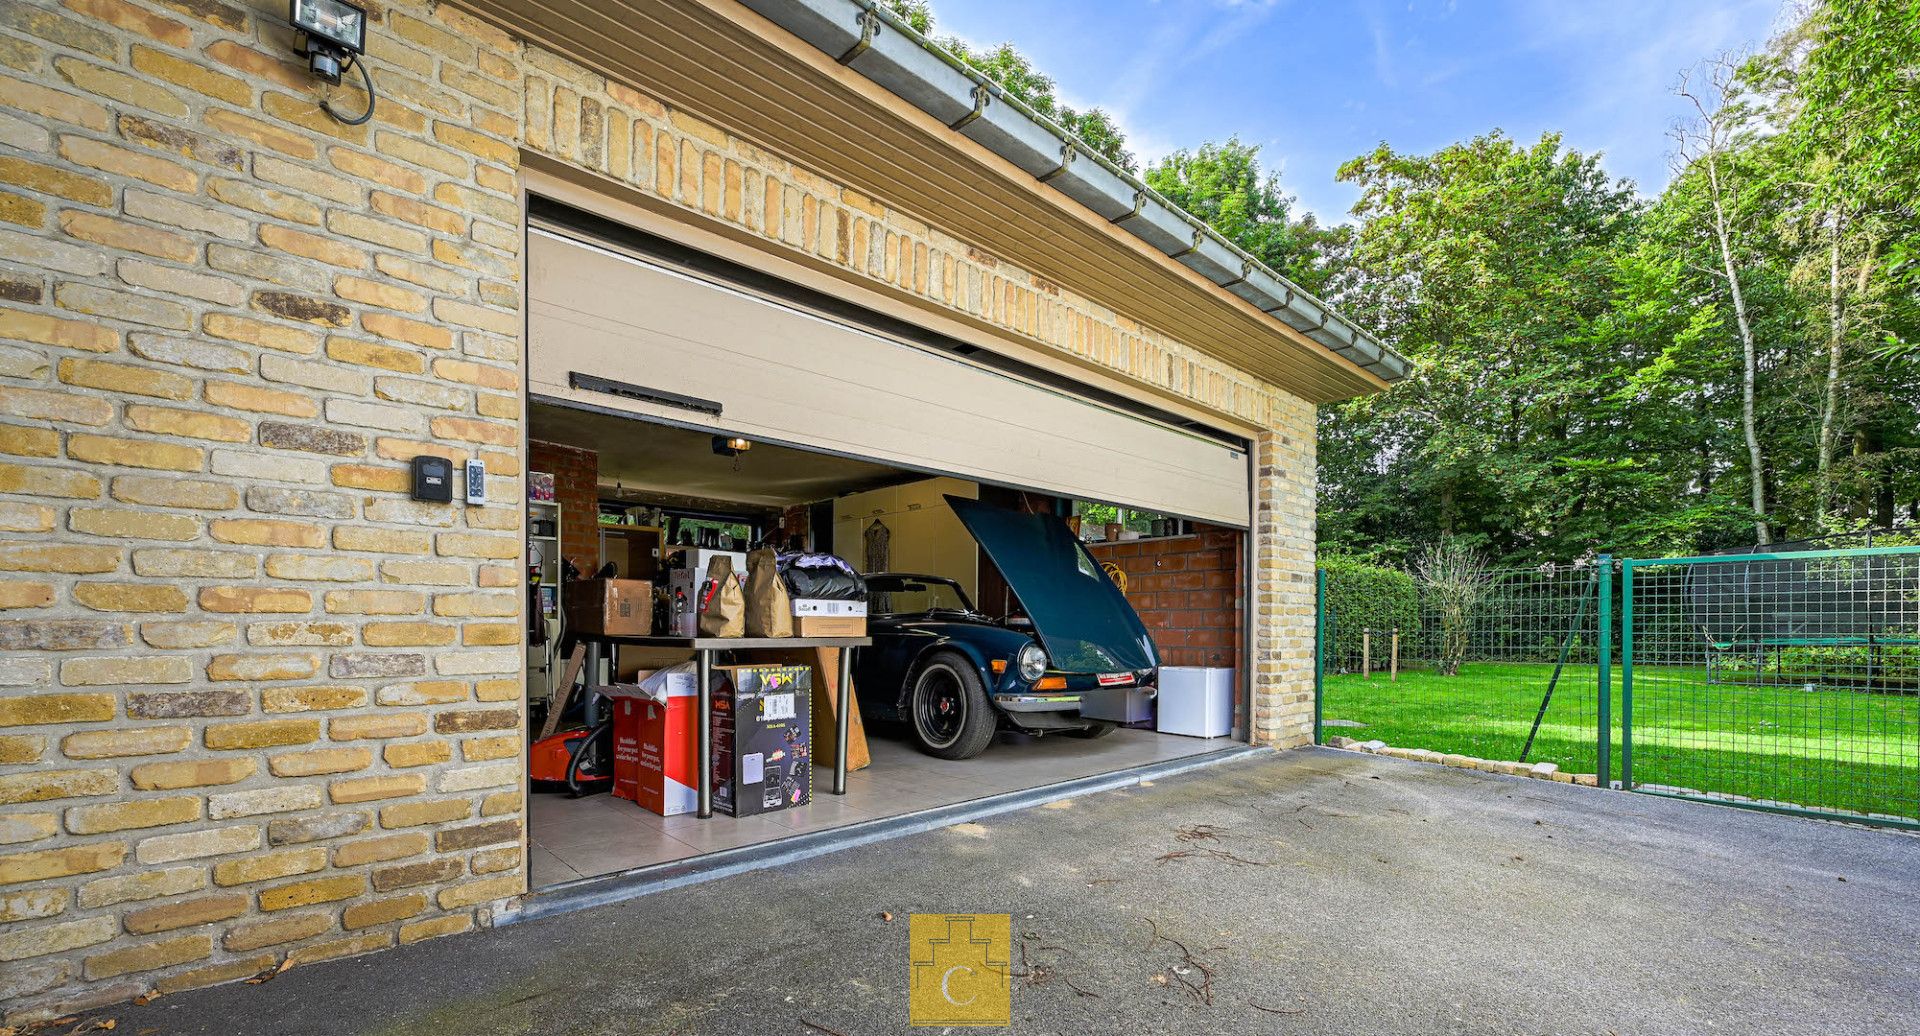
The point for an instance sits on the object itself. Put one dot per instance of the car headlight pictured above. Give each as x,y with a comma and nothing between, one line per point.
1032,662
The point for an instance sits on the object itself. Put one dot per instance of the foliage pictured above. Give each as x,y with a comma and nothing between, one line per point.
1003,64
1585,376
1453,581
1362,597
1224,185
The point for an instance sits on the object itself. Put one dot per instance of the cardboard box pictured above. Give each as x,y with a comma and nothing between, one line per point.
762,738
653,750
829,625
698,558
610,607
825,663
810,606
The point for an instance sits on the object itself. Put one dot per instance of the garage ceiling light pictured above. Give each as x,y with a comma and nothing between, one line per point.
731,446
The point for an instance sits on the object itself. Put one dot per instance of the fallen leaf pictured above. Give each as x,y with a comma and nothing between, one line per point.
887,916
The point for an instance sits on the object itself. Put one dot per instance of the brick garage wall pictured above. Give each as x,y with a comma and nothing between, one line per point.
1186,589
1283,578
576,485
256,705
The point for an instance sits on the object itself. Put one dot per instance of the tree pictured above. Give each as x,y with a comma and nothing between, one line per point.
1723,121
1224,185
1016,74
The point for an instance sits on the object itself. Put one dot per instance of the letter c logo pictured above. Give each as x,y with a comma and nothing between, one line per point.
945,991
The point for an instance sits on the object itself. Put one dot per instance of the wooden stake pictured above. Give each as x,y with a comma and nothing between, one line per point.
1395,662
1366,654
558,702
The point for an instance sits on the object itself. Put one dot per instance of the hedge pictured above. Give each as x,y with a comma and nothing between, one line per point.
1362,597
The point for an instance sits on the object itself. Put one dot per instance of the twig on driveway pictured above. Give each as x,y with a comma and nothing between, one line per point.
817,1027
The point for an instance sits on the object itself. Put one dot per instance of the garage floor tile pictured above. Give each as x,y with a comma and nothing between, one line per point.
599,834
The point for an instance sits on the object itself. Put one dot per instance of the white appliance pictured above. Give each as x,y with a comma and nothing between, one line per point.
1196,701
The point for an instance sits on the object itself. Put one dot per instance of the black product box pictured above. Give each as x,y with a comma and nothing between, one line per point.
762,738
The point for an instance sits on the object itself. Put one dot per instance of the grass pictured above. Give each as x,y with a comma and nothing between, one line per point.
1822,748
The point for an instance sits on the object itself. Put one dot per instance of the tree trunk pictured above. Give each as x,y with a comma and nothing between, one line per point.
1749,360
1836,339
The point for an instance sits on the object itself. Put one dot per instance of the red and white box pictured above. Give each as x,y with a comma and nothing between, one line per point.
653,727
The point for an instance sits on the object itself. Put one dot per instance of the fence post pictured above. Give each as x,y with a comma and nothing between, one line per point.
1604,769
1626,674
1366,654
1320,622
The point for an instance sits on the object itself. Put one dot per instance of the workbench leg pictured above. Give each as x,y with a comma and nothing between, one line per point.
703,732
841,720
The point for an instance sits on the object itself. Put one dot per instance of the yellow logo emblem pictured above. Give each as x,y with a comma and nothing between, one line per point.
961,969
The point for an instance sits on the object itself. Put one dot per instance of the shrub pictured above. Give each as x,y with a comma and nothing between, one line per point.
1362,597
1455,578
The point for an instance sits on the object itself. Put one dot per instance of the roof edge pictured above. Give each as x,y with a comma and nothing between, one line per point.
937,82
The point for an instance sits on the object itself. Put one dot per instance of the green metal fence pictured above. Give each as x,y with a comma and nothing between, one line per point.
1776,681
1782,681
1516,675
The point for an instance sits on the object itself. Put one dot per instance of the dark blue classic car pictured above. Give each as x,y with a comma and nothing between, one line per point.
954,676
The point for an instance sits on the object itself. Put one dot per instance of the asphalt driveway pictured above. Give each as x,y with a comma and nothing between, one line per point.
1308,892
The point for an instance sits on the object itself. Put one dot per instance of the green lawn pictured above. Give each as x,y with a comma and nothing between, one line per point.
1821,748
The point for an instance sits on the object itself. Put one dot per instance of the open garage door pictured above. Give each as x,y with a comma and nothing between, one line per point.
621,331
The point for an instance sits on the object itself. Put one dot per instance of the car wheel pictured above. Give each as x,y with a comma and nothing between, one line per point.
1094,728
952,718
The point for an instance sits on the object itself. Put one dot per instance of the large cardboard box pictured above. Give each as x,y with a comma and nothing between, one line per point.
653,750
610,607
762,738
825,663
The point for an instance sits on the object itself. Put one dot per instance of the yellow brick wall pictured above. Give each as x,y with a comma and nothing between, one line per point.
256,705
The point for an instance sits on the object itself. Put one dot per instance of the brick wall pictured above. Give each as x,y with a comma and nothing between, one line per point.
576,485
256,705
1187,591
1283,550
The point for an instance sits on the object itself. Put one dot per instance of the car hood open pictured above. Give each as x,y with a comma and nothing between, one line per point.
1083,620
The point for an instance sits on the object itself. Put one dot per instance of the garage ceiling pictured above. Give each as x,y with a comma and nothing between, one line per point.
644,457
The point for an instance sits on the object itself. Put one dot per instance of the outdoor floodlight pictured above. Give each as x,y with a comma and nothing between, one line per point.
335,31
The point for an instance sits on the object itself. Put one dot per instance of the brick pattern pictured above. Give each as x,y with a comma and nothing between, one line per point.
256,705
576,485
1187,591
1283,553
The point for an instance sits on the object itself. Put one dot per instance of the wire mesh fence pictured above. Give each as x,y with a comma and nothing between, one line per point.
1779,681
1788,680
1508,670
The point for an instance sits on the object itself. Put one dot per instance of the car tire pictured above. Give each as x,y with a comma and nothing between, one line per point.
1093,729
948,709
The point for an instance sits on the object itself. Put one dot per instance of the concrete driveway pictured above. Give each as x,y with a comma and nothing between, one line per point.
1323,892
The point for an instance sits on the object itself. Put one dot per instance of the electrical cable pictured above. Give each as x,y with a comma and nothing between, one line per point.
362,118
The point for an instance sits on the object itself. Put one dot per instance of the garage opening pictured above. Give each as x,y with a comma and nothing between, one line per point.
682,409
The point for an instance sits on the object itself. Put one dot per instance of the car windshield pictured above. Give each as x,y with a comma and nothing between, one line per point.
906,595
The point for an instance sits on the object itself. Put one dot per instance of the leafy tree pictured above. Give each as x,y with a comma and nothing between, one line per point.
1224,185
1014,71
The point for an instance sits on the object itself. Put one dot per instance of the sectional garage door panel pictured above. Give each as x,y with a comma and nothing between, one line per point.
782,374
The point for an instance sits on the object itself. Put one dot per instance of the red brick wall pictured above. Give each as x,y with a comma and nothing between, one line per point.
1187,590
576,485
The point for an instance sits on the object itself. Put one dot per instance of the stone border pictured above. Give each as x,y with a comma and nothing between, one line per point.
1538,771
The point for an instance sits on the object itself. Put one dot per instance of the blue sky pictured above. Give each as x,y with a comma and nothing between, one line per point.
1316,82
